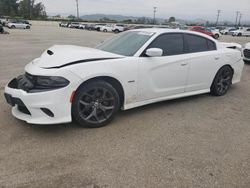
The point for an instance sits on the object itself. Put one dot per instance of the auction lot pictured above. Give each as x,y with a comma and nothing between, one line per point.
200,141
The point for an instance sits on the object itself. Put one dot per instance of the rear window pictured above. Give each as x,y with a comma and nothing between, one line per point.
199,44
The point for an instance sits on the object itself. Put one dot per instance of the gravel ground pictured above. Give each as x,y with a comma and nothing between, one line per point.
200,141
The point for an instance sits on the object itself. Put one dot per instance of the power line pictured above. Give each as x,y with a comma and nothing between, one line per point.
154,14
218,16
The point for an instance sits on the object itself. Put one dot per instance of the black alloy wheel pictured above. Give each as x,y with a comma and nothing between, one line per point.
222,81
95,104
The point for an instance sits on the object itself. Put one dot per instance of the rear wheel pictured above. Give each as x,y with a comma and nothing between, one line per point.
105,30
27,27
222,81
216,36
240,34
13,27
95,104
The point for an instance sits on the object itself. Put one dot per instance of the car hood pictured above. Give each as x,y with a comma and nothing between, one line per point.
63,55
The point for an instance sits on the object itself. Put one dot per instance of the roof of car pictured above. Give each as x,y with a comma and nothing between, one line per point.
164,30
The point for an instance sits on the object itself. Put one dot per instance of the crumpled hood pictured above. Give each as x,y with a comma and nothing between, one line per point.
61,55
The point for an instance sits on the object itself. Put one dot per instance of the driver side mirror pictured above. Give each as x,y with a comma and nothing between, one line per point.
154,52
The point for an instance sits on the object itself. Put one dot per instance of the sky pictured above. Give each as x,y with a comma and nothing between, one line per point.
182,9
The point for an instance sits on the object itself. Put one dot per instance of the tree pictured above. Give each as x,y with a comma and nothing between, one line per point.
171,19
31,9
8,7
38,11
72,17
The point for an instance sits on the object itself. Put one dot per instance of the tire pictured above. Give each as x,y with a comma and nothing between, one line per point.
116,31
240,34
222,81
13,27
247,62
105,30
225,33
216,36
28,27
95,104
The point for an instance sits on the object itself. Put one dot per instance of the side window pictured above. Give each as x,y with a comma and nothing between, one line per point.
248,29
199,44
211,45
171,44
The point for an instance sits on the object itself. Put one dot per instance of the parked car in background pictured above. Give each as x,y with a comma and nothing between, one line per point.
4,21
118,28
64,24
228,31
25,22
82,26
203,30
17,25
131,27
216,33
246,52
241,32
135,68
1,29
90,27
74,25
107,28
98,26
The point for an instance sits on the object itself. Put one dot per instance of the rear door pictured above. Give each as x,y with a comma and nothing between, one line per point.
203,59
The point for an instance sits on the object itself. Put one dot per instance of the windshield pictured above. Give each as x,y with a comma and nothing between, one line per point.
127,43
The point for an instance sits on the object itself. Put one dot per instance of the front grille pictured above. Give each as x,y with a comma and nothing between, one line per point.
247,53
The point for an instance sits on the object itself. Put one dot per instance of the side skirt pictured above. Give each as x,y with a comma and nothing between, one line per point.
181,95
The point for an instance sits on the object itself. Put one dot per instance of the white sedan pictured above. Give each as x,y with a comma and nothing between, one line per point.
107,28
18,25
135,68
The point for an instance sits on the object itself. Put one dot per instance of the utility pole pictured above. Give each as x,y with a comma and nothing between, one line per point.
154,15
218,16
237,15
29,5
240,19
77,9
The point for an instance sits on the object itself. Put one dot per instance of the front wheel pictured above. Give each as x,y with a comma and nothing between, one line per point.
222,81
240,34
95,104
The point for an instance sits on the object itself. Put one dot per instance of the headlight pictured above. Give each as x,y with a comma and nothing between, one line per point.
50,82
32,83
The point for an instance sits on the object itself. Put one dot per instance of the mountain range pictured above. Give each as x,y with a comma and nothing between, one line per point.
94,17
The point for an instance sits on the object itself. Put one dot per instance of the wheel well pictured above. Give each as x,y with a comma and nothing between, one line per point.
220,69
229,67
112,81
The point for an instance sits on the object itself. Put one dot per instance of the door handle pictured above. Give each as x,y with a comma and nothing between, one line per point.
216,58
184,64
